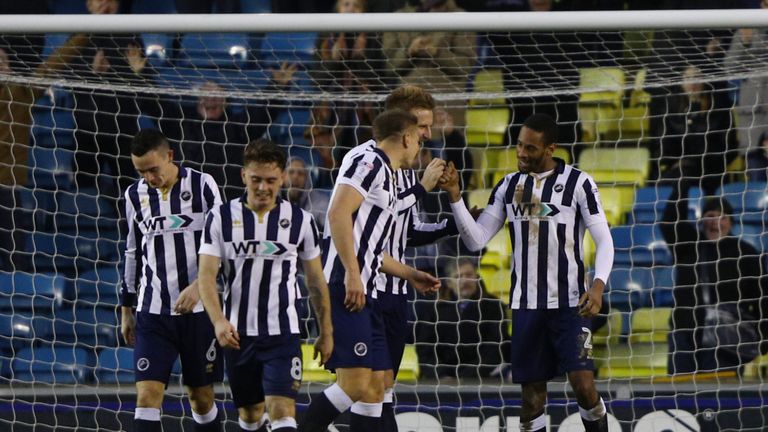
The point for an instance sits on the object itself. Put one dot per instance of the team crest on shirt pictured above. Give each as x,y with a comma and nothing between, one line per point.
142,364
284,223
361,349
186,195
559,188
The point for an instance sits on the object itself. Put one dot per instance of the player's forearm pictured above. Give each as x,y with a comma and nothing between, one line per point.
206,285
472,232
321,303
342,235
395,268
601,234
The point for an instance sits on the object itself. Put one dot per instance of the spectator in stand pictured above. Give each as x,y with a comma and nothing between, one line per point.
694,129
746,46
297,183
212,134
439,62
15,121
757,160
465,333
451,143
721,302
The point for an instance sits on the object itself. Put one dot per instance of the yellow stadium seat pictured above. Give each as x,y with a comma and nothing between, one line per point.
589,250
409,366
635,120
628,166
617,201
498,250
609,333
562,153
312,370
488,81
650,325
498,284
600,101
757,368
479,179
478,197
487,126
501,162
632,360
486,273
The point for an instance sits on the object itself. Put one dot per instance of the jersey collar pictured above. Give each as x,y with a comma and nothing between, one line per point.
383,155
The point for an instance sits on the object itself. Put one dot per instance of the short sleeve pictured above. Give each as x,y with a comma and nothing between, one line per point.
212,243
211,192
362,173
588,199
496,203
309,247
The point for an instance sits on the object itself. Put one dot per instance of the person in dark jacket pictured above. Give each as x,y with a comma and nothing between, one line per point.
719,289
465,334
757,160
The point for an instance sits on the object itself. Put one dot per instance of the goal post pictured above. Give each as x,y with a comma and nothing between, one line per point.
635,93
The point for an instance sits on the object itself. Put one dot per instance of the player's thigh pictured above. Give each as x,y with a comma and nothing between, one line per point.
352,334
532,356
280,406
201,360
572,337
283,368
245,372
156,347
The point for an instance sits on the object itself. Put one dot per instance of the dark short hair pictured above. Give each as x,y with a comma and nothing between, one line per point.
408,97
391,123
718,204
543,124
148,140
264,151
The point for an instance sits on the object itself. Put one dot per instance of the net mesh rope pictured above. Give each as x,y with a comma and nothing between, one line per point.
618,97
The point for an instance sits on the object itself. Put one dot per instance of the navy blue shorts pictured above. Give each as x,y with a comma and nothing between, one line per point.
359,339
549,342
161,339
394,311
264,365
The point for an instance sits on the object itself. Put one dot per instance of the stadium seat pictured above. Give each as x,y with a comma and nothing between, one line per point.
611,332
83,210
19,291
256,6
14,330
51,168
563,153
214,50
487,126
635,119
628,288
319,200
498,283
313,372
616,202
501,161
87,326
663,284
629,166
640,245
600,101
158,48
55,40
632,360
288,128
488,81
649,204
98,286
115,366
409,366
749,201
288,47
650,325
53,121
480,161
54,365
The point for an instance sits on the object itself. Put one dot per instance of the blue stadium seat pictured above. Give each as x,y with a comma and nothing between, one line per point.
55,40
53,121
749,201
15,329
98,286
229,50
629,288
640,245
663,284
87,325
298,47
157,48
649,204
21,291
288,128
51,168
115,365
84,210
153,7
319,200
54,365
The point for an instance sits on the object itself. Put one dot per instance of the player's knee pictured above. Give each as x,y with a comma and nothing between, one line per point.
389,379
281,408
251,413
201,399
374,392
149,394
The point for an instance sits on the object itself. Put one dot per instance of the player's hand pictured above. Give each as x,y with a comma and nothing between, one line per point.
592,300
432,174
424,282
450,182
227,334
323,348
355,298
128,326
187,300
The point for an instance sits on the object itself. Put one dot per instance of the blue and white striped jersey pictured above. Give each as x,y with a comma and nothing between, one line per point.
370,173
547,218
164,229
259,258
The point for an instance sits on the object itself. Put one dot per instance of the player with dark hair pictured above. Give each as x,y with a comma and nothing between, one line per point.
363,210
258,240
548,205
165,211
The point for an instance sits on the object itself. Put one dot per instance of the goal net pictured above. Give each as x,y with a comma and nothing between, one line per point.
663,117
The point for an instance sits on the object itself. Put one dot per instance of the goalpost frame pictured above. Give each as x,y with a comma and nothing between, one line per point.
384,22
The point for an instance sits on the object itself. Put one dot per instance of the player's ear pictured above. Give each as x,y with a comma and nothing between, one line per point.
242,175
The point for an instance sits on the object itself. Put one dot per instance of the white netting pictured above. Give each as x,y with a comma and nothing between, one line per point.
638,110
